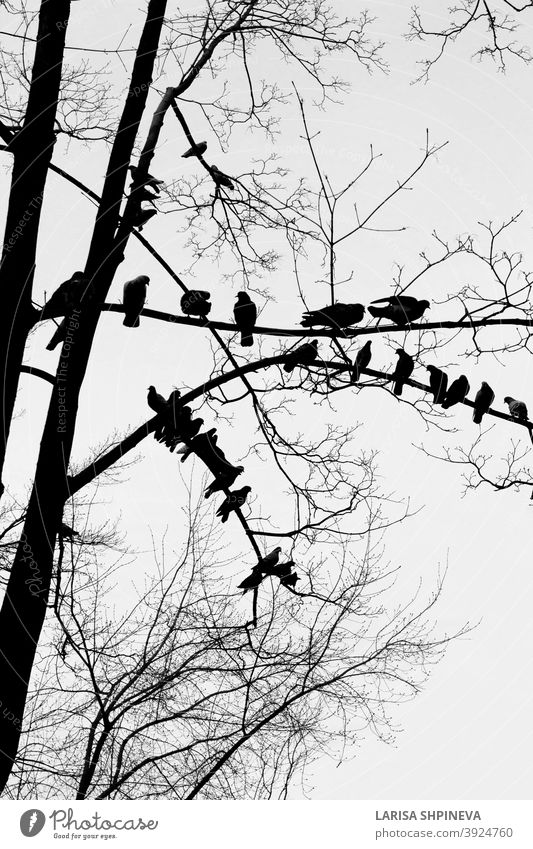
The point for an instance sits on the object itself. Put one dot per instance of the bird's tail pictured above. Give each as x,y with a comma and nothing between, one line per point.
186,155
354,377
477,417
247,340
398,387
58,337
131,321
377,312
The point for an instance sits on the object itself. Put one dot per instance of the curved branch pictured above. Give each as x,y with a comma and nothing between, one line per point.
38,372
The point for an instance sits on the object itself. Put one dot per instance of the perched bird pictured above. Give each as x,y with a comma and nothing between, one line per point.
224,480
205,446
133,299
482,402
517,409
252,581
438,383
146,180
196,302
142,216
401,309
142,194
156,402
176,425
335,315
304,355
403,371
290,580
67,295
233,501
220,178
67,532
196,150
173,398
269,560
245,312
362,359
59,336
457,392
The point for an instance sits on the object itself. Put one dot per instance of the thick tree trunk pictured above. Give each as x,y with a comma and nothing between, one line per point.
32,150
24,608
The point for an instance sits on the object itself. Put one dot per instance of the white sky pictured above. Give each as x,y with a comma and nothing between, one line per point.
468,734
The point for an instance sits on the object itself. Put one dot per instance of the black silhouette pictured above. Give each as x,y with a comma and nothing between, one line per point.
67,295
67,532
252,581
133,299
205,446
224,480
290,580
438,383
269,560
233,501
245,312
304,355
362,360
517,408
147,180
196,150
335,315
401,309
156,402
196,302
142,216
220,178
482,402
59,336
403,371
457,392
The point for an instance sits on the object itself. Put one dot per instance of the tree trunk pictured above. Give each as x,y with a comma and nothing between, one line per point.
32,150
24,608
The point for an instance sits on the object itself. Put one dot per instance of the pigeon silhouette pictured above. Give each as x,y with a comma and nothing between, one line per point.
133,299
196,150
335,315
224,480
67,296
156,402
142,216
438,383
220,178
147,180
233,501
401,309
402,372
457,392
270,560
245,312
482,402
362,360
304,355
196,302
517,409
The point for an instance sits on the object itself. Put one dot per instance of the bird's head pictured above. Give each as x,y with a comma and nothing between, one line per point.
151,389
243,297
425,304
277,548
239,469
508,399
143,278
246,489
314,343
400,351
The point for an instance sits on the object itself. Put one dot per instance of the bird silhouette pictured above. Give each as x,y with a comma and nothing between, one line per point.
196,150
517,409
482,402
141,216
401,309
224,480
289,580
245,312
402,372
67,532
270,559
67,296
133,299
304,355
235,499
252,581
438,383
334,315
156,402
457,392
220,178
196,302
362,360
205,446
59,336
146,180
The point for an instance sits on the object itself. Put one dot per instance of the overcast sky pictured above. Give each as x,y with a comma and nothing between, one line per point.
468,734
